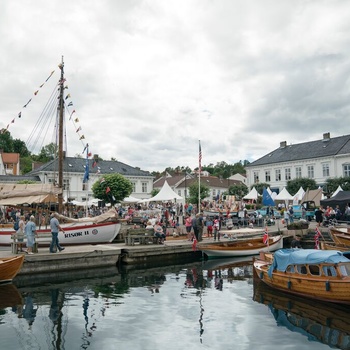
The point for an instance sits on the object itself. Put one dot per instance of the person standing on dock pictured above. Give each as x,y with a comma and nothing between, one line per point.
55,228
30,231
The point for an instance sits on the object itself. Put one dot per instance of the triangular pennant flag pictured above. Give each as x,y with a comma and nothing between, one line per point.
76,120
19,114
36,92
82,137
68,96
70,104
78,129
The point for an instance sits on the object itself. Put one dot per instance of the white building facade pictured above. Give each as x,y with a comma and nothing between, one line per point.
318,160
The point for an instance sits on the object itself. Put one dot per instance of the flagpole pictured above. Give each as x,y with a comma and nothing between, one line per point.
199,176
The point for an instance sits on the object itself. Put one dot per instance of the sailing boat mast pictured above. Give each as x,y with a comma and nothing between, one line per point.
60,138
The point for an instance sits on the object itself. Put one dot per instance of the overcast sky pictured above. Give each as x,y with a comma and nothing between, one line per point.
148,79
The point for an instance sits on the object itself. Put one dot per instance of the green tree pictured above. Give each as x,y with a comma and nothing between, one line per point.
239,191
154,192
332,184
260,186
6,142
48,153
20,147
193,191
112,189
26,164
304,182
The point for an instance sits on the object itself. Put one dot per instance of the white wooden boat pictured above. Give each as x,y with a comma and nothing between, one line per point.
77,232
240,247
312,273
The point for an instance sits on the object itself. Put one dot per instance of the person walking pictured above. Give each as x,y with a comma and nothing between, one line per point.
30,231
55,228
188,225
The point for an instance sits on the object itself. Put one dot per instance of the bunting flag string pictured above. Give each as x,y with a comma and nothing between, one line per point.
25,106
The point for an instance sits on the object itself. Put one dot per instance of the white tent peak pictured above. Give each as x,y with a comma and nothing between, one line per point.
253,194
165,194
339,189
284,195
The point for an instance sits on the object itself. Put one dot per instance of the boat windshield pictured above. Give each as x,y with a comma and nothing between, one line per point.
344,269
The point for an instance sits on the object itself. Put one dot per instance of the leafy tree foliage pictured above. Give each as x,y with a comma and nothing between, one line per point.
6,142
154,192
193,191
332,184
48,153
20,147
304,182
239,191
260,187
119,186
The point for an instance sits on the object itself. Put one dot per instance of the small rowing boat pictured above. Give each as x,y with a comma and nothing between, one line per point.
9,268
241,247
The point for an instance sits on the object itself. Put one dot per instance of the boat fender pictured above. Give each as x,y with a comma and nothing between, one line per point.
289,284
328,286
261,275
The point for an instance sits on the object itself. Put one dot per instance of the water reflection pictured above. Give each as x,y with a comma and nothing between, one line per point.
327,323
202,303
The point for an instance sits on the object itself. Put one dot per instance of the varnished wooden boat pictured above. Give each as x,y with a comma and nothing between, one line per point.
241,247
10,296
317,274
340,235
318,321
9,267
334,246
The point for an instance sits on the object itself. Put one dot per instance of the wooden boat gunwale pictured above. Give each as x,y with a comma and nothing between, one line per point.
9,267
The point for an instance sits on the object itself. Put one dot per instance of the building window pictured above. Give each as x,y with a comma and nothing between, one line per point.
179,192
144,187
325,170
298,172
310,171
133,186
267,176
256,177
214,193
287,174
278,174
346,170
66,184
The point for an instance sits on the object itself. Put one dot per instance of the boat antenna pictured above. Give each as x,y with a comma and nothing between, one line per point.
60,137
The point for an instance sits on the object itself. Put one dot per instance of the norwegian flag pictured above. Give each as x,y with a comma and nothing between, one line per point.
194,244
266,237
317,236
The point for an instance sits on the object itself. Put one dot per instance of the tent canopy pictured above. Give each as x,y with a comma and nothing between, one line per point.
337,191
341,199
253,194
130,199
284,195
165,194
298,196
17,194
313,195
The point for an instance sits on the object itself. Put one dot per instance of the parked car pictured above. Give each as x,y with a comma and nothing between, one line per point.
309,210
262,211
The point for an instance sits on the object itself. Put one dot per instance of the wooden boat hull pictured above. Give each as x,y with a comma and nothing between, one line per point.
340,236
241,247
9,268
10,296
329,246
327,288
325,322
75,234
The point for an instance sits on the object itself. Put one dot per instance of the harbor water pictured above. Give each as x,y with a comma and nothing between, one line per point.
200,305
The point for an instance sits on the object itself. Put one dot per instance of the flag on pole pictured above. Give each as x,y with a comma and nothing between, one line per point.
194,244
317,238
266,237
200,157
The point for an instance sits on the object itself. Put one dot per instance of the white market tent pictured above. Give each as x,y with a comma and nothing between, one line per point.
298,196
284,195
253,194
165,194
130,199
337,191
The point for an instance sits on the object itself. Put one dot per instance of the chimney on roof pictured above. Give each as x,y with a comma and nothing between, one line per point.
283,144
326,136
